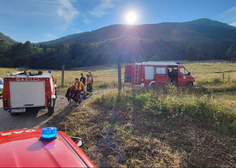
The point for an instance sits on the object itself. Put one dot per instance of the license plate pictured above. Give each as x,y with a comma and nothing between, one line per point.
17,110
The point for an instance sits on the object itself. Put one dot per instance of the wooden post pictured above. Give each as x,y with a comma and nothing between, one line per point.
134,62
62,75
119,77
223,75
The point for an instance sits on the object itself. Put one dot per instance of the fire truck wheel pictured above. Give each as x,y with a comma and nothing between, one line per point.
51,109
190,85
152,86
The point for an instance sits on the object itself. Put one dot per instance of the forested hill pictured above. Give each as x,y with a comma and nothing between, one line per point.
201,39
193,31
6,39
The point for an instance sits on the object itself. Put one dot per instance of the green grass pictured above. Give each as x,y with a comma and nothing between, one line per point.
173,102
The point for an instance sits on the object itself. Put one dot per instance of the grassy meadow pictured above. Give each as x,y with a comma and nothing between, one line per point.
167,127
207,75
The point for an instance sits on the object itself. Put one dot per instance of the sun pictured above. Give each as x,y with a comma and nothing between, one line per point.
131,18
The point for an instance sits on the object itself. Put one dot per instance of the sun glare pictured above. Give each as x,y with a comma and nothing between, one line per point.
131,18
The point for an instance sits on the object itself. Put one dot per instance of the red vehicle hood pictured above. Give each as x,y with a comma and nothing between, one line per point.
23,148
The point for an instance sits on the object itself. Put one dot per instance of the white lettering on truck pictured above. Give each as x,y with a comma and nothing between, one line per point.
15,132
27,79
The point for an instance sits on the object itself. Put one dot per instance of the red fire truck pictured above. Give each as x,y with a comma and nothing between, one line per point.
28,90
158,73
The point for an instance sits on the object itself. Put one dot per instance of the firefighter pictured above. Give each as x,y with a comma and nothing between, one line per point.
79,87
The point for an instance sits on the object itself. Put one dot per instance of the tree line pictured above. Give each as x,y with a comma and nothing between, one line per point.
123,49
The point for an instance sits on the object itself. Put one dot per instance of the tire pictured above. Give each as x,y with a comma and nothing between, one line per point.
51,108
190,85
152,86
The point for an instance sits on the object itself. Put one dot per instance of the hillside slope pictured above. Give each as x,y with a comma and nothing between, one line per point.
202,29
6,38
201,39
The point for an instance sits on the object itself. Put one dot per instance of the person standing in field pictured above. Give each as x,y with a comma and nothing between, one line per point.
90,74
89,83
82,78
79,86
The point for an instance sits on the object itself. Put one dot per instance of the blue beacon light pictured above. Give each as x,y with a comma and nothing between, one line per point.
49,133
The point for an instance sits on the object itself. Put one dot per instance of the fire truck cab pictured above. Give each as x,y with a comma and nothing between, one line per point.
158,73
27,90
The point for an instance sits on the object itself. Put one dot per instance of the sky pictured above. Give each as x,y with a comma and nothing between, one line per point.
44,20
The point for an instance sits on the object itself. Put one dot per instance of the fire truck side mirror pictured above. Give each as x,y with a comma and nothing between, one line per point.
55,81
189,73
79,141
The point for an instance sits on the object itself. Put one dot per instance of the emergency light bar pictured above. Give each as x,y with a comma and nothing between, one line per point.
49,133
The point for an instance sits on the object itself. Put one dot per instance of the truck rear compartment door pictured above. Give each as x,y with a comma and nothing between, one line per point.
149,74
128,73
27,94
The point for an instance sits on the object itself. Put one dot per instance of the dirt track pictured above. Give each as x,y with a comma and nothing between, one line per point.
37,119
24,120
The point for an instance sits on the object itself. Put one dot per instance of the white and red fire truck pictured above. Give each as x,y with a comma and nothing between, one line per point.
27,90
158,73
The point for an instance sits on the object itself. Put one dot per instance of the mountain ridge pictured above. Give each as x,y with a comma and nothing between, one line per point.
164,30
201,39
